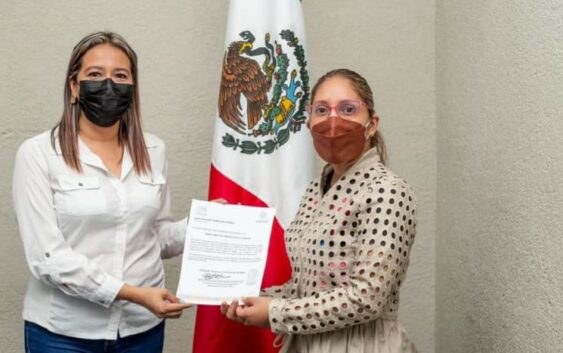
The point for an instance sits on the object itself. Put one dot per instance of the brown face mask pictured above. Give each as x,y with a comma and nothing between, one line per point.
339,140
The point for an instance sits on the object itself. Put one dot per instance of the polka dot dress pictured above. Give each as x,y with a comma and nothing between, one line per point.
349,251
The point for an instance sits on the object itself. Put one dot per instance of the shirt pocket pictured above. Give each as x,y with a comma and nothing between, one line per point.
150,190
78,195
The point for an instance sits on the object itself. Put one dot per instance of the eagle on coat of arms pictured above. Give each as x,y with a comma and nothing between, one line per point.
242,76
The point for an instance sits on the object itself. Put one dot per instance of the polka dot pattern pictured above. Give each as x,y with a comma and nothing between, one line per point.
349,251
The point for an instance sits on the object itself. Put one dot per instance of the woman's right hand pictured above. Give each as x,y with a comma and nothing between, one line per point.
159,301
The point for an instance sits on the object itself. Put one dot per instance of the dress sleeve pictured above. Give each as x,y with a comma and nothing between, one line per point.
386,219
286,290
49,257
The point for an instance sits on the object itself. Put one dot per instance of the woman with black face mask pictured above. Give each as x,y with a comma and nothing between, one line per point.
93,209
350,241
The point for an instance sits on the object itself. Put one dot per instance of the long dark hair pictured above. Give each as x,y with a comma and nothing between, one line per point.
362,89
130,131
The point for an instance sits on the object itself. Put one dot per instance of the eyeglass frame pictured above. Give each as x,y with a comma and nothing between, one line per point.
331,107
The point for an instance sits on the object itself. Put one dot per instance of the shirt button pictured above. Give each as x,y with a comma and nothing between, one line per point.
80,184
47,254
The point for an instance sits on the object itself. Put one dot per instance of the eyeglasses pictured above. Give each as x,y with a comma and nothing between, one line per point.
346,108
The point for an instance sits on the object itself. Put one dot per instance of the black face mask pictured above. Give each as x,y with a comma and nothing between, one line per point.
105,102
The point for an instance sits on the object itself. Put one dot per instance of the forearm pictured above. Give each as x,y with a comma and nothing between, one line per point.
129,293
327,311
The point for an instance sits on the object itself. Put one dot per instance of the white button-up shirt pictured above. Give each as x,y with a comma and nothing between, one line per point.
86,234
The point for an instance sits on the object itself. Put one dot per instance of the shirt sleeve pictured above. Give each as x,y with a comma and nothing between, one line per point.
171,234
383,246
49,257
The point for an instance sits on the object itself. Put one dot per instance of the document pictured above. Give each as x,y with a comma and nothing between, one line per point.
225,252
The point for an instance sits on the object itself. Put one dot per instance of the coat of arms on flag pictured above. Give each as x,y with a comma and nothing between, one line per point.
258,76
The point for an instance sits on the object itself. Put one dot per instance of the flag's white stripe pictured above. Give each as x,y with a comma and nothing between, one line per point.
279,179
261,16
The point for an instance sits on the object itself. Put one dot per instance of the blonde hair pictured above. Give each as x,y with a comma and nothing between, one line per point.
362,89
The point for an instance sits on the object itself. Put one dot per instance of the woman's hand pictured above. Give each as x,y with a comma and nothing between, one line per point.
230,311
254,312
159,301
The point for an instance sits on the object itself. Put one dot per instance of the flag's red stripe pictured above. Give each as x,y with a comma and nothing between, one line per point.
214,333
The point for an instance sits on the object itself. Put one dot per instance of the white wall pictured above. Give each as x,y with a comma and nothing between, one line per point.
180,46
500,128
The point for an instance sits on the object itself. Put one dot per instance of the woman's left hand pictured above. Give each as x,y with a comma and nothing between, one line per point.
254,312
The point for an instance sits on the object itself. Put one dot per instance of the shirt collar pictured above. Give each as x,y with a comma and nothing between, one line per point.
89,157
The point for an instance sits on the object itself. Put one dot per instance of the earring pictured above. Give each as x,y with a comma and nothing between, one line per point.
72,100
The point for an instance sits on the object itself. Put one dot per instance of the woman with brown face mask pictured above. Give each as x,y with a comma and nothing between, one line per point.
350,242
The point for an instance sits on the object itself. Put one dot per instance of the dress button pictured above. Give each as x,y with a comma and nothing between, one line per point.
47,254
80,184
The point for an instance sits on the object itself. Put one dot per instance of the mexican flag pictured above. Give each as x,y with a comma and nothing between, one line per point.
262,150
